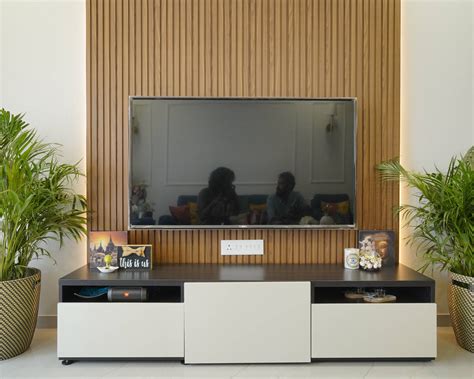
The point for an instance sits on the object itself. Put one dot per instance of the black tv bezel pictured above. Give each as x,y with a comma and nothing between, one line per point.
239,227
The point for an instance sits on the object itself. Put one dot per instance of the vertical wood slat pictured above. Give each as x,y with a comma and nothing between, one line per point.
176,46
90,38
378,105
308,48
118,127
384,99
138,56
98,159
358,73
113,114
396,111
106,116
151,46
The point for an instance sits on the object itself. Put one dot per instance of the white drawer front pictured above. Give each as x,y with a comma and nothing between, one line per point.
250,322
120,330
373,331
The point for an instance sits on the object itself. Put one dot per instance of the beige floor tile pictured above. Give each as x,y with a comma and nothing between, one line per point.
40,361
175,370
259,371
395,369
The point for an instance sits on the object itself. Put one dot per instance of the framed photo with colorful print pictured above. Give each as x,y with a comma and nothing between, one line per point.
102,243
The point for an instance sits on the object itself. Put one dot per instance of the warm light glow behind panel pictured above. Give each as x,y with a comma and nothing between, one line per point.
252,48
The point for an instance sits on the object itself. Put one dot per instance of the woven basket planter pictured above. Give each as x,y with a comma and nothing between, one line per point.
461,309
19,302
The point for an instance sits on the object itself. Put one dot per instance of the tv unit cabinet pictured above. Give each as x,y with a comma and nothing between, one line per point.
248,314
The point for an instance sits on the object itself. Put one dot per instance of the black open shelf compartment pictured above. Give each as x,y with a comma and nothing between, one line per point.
156,294
335,295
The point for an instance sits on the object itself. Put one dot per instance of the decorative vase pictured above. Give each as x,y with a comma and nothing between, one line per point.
19,302
461,309
370,261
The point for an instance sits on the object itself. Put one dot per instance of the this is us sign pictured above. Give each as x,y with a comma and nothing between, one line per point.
134,257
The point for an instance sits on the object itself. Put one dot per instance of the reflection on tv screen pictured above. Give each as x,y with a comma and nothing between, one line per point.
240,162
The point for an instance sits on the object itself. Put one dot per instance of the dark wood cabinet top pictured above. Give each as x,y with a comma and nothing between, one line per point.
322,275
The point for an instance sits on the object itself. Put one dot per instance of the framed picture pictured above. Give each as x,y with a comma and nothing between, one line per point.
383,241
135,257
102,243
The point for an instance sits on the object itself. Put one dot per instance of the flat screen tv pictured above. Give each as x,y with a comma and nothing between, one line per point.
242,162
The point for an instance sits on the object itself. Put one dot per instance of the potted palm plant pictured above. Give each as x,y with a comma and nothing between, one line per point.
37,206
443,231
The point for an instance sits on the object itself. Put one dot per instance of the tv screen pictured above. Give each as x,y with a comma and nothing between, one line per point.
237,162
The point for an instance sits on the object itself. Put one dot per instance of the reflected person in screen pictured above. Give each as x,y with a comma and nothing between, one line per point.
218,201
286,206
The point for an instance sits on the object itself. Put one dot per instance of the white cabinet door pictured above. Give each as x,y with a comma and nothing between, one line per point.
247,322
120,330
373,331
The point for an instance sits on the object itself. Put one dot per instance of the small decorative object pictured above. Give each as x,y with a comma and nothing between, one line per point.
102,244
107,260
385,299
135,257
351,258
140,208
369,258
107,270
382,241
91,292
370,261
357,294
379,296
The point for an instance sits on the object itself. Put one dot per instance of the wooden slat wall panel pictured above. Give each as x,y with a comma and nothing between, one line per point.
256,48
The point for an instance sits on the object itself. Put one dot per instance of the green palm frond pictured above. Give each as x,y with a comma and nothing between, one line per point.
443,220
37,204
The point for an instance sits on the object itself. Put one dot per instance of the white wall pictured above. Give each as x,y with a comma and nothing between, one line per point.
437,119
43,74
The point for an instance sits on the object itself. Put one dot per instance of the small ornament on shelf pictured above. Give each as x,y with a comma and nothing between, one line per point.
108,268
135,257
356,294
369,259
379,296
351,258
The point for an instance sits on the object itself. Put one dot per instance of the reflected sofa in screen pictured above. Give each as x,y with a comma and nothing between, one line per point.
252,210
335,205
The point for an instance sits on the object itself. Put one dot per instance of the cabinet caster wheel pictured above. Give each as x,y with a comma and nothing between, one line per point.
67,362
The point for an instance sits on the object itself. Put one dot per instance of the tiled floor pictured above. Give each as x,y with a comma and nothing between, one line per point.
40,362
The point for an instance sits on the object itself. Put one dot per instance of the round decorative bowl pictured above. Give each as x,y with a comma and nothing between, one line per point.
107,270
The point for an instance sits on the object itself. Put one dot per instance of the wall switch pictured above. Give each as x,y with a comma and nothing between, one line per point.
241,247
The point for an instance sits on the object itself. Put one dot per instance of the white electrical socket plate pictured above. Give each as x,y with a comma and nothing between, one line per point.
241,247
